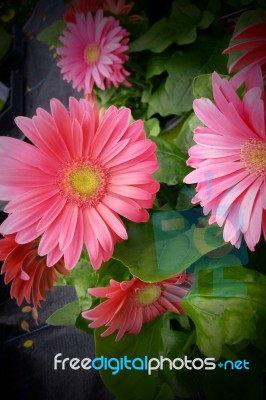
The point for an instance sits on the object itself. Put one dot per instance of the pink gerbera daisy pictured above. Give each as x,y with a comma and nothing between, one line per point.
230,159
93,52
131,303
28,272
83,169
250,43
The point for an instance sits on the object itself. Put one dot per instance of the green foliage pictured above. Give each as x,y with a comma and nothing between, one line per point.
50,35
153,254
66,315
5,42
172,55
175,96
227,306
134,385
180,28
172,162
82,277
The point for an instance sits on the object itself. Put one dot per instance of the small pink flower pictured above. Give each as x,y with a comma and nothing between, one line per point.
251,43
93,52
131,303
116,7
83,170
230,159
81,7
28,272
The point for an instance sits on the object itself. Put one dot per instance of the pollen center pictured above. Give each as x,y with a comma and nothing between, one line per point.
148,294
253,156
91,53
83,182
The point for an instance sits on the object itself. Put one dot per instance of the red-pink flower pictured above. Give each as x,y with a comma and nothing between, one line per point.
116,7
250,46
230,159
84,169
131,303
28,272
81,6
93,52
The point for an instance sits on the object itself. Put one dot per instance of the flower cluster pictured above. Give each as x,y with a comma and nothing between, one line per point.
84,169
27,271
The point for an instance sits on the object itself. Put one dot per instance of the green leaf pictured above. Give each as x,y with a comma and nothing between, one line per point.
66,315
112,269
152,127
82,277
175,96
138,253
227,305
172,162
184,139
202,85
167,244
134,384
180,28
156,64
206,20
5,42
180,243
50,35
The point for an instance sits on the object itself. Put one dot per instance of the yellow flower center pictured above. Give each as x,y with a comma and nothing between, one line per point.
85,181
253,156
91,53
148,294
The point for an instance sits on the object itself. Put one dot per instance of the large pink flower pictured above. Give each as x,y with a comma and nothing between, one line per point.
93,52
230,159
83,169
28,272
131,303
250,45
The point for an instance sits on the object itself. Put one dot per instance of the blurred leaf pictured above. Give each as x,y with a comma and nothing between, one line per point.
227,305
5,42
66,315
152,127
50,35
202,85
172,162
135,384
184,139
206,19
